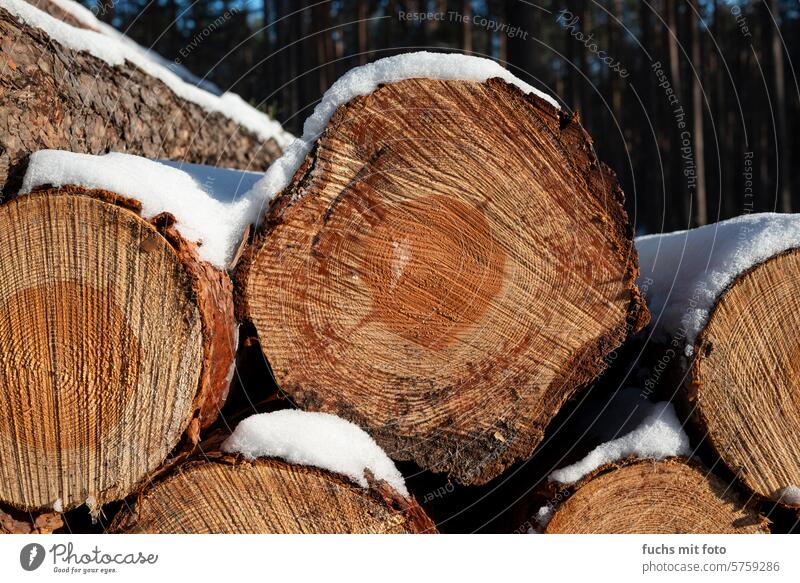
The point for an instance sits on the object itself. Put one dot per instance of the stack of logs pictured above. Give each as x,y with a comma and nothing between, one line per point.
448,286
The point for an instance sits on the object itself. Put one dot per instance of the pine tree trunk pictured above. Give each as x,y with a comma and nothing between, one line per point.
116,341
448,266
232,496
673,496
57,98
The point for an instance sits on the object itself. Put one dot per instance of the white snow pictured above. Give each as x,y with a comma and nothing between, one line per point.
790,495
58,505
660,435
315,439
543,516
683,273
115,48
364,80
212,206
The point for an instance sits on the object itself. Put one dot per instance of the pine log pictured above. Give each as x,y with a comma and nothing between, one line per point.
673,496
743,384
726,339
229,495
115,340
58,98
446,268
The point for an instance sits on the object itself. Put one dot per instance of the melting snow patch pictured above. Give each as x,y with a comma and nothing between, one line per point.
58,505
212,206
115,48
659,436
683,273
364,80
315,439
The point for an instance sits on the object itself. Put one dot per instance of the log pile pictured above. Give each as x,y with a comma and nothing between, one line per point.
445,264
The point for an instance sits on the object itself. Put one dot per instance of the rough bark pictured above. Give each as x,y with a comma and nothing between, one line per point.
674,496
116,340
742,385
447,267
226,494
54,97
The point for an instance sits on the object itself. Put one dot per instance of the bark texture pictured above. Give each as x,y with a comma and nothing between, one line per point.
447,267
115,340
673,496
230,495
57,98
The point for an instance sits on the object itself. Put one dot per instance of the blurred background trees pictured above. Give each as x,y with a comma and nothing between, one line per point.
725,143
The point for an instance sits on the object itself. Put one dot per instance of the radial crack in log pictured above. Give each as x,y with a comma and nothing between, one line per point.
673,496
114,340
230,495
447,267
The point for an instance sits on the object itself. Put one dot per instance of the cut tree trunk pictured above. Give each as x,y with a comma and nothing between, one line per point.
230,495
115,339
743,385
54,97
447,267
673,496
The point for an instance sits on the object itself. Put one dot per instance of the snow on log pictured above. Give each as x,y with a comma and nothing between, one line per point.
92,91
445,264
116,339
228,494
724,300
672,496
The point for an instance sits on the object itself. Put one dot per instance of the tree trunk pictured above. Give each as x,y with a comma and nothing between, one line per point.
673,496
442,283
700,197
232,496
116,340
54,97
772,24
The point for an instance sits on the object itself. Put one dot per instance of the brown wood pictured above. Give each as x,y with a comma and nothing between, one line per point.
229,495
673,496
448,266
743,386
115,339
54,97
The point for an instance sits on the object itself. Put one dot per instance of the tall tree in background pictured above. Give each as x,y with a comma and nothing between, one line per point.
693,21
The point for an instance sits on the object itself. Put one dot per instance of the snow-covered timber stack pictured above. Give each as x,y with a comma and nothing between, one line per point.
445,263
639,479
90,89
118,334
725,299
354,487
671,496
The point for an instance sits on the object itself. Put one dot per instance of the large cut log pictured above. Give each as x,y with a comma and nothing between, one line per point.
85,91
115,340
231,495
727,326
672,496
446,267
